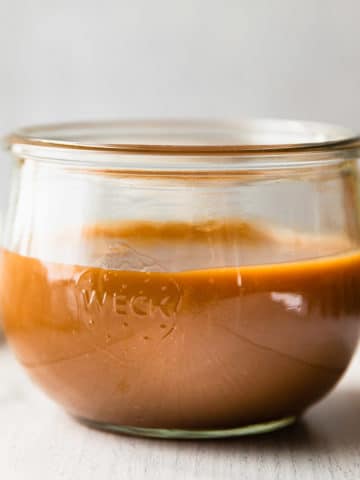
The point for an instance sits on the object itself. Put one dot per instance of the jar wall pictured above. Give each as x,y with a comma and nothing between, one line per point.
52,206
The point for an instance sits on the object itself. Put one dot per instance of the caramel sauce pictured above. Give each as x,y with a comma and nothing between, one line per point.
188,327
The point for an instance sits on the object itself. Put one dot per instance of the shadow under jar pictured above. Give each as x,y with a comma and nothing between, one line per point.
183,279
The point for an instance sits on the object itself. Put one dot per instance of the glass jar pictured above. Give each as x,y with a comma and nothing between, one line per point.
183,279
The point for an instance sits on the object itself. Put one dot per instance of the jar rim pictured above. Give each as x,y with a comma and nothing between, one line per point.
179,137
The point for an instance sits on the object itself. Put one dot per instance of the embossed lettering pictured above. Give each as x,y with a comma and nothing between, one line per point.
120,304
93,298
126,302
141,306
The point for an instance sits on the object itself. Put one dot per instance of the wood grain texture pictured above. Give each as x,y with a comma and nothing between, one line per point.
38,441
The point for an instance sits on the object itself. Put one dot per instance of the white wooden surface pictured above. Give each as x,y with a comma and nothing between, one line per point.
38,441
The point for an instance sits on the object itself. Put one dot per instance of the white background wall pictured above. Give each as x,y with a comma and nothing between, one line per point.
88,59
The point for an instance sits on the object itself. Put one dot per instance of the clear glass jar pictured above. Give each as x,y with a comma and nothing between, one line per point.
183,279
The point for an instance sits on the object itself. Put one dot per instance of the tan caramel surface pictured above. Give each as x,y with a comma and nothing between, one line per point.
216,347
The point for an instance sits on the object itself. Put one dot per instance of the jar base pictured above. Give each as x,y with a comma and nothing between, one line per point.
255,429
